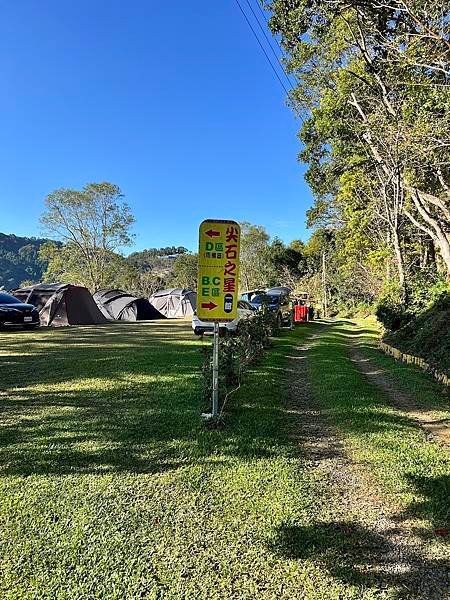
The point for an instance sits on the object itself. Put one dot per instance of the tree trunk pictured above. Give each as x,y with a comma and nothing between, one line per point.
399,261
428,256
433,227
444,247
388,261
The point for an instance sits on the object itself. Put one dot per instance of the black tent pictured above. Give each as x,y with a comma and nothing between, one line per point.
120,305
62,304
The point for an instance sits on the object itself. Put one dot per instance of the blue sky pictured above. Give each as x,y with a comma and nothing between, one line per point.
172,101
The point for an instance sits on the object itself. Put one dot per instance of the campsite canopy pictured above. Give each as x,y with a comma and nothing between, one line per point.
175,303
62,304
120,305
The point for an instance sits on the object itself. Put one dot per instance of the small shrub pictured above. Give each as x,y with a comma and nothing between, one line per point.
427,334
238,352
422,292
391,312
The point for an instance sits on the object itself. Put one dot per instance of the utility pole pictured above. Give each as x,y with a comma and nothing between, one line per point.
324,287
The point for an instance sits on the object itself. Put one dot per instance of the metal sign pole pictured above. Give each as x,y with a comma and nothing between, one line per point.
219,243
215,381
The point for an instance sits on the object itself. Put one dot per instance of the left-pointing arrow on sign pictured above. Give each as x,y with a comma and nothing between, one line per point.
209,305
212,233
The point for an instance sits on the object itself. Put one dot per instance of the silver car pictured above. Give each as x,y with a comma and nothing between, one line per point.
244,311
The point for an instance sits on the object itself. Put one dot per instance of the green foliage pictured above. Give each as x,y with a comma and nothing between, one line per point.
19,260
147,283
424,291
155,269
358,310
287,263
255,267
94,223
154,258
426,332
65,266
372,84
184,271
391,311
238,352
266,263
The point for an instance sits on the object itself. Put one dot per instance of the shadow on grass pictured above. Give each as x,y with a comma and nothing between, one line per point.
111,399
434,502
359,556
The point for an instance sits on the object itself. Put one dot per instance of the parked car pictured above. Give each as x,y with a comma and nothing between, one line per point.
277,301
244,311
248,295
13,312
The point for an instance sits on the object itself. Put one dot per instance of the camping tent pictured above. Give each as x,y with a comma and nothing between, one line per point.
175,303
62,304
120,305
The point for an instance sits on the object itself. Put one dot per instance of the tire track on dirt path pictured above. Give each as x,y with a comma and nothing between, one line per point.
356,535
437,428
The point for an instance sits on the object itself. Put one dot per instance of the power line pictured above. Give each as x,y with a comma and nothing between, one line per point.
265,20
288,93
262,48
269,43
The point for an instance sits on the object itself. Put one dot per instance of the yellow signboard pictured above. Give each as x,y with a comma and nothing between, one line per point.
218,270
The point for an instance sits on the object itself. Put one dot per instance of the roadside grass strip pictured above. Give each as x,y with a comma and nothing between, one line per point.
111,487
413,471
429,393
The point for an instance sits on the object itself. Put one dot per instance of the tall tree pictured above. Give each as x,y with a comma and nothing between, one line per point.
255,266
65,264
373,82
94,223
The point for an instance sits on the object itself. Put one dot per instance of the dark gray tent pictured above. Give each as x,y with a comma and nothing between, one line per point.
120,305
175,303
62,304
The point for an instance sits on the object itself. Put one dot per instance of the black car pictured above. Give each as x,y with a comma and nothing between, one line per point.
14,312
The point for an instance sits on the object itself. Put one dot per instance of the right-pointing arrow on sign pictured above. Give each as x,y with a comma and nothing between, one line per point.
209,305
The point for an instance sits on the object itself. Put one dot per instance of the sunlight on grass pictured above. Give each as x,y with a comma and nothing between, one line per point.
112,487
415,471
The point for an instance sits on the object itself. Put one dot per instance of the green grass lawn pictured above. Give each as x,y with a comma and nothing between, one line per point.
112,487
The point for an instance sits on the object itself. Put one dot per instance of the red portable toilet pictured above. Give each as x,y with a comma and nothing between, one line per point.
300,314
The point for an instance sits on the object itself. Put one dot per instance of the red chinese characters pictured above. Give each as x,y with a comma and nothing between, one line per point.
229,284
231,253
231,235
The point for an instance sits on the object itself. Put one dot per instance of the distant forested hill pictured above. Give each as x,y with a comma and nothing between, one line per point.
155,258
19,260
